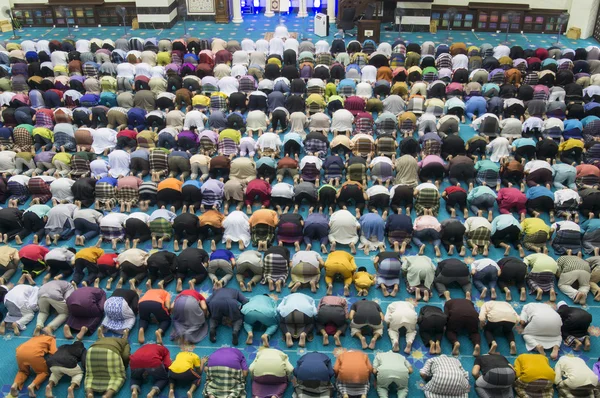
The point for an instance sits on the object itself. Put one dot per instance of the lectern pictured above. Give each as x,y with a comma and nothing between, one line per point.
368,29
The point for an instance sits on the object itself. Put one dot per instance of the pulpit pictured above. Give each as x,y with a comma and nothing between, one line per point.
368,29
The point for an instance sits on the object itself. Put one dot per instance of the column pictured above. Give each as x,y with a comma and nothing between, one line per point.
302,9
583,15
268,10
331,11
156,13
237,11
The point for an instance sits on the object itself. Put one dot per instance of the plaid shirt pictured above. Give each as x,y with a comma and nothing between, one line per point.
247,84
447,378
218,103
43,120
444,61
324,59
572,263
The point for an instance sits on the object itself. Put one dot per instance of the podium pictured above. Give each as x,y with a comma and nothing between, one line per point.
368,29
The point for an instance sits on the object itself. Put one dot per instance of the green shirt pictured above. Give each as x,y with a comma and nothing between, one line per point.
540,262
393,366
40,210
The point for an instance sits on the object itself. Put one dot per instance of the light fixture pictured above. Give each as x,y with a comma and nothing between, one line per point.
317,3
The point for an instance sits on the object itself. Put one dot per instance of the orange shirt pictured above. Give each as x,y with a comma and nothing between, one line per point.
213,218
37,347
353,367
264,216
158,295
170,183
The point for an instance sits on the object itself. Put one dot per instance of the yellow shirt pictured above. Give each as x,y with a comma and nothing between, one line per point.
90,254
185,361
530,367
62,157
363,280
532,225
342,258
7,254
570,144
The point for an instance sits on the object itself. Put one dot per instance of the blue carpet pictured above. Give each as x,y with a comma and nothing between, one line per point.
255,27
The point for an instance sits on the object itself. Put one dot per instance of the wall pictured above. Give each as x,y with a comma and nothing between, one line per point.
549,4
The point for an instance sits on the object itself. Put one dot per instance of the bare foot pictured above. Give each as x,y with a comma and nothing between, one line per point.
552,295
363,342
476,350
513,348
456,349
493,348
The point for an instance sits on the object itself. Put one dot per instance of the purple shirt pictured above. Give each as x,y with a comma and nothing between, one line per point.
229,357
44,156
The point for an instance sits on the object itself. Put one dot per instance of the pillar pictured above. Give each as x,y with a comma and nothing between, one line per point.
268,10
302,9
156,13
237,11
331,11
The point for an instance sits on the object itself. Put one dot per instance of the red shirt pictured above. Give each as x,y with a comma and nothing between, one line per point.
150,356
192,293
33,252
108,259
454,188
127,133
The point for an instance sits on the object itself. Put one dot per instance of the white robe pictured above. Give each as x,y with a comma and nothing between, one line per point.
543,326
237,227
342,227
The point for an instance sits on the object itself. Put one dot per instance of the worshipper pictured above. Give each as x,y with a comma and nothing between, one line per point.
493,375
343,229
53,294
21,303
366,316
331,318
497,316
445,376
112,228
32,258
132,265
60,263
262,311
150,360
120,311
427,228
485,272
31,356
186,367
34,222
541,275
401,316
419,272
574,271
363,281
513,271
66,361
574,377
137,229
225,303
353,372
590,231
249,263
191,260
427,199
105,366
226,364
432,322
86,310
567,237
60,223
316,227
270,372
535,376
480,199
87,225
161,266
575,325
236,229
339,263
155,303
189,315
11,221
478,232
391,369
9,262
542,328
87,258
276,264
388,267
305,270
506,230
161,226
297,314
452,271
462,315
262,228
313,373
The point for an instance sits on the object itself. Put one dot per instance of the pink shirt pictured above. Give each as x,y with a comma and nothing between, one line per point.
431,159
427,222
129,182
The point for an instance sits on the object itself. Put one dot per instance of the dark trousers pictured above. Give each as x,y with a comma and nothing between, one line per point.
456,199
32,223
168,196
504,327
159,375
189,375
87,229
216,321
147,309
59,267
205,230
456,324
197,269
39,141
129,271
508,235
316,232
137,229
431,328
512,274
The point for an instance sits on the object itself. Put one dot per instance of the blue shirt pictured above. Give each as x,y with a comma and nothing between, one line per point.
313,366
222,254
504,221
590,225
371,224
194,183
109,180
519,142
480,191
539,191
267,160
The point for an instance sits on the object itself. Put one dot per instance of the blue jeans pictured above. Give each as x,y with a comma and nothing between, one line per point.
484,202
476,106
88,230
166,140
426,235
488,275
